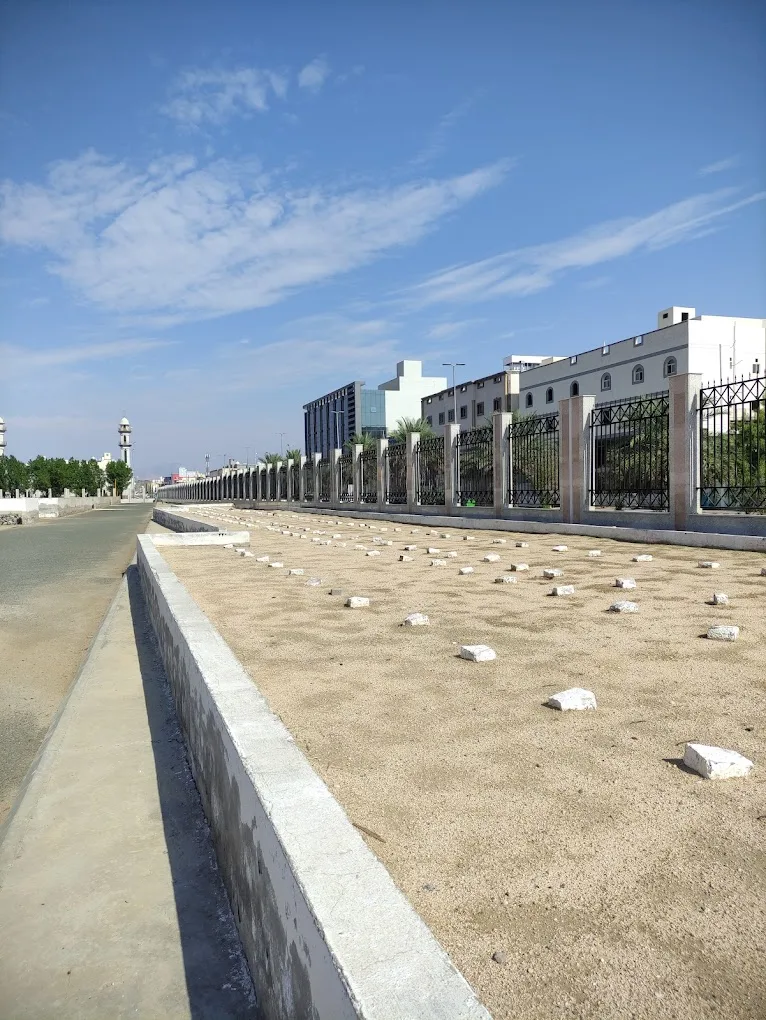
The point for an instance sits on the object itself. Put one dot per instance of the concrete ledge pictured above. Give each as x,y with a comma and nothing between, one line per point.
326,932
699,539
194,532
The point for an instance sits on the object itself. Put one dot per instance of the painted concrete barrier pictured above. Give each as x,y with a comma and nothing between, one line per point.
27,509
699,539
327,934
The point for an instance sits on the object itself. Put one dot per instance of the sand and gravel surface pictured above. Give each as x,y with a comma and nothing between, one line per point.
606,879
57,579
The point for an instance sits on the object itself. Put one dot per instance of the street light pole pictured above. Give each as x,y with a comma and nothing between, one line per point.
281,441
453,365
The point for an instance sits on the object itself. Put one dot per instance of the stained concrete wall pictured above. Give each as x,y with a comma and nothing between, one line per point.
26,509
327,934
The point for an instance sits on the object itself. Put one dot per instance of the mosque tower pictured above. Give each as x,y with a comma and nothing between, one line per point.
124,429
2,438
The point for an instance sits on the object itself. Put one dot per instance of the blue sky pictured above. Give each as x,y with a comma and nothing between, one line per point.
212,213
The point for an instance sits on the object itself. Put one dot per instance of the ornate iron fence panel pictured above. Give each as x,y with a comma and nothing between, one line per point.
733,446
346,478
370,475
429,471
534,460
325,469
282,480
396,473
295,481
474,467
629,462
262,480
308,481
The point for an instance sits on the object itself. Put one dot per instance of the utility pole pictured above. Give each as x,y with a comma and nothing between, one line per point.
281,441
207,464
453,365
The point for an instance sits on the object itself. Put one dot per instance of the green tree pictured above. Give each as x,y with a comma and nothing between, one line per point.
14,475
407,425
119,474
359,439
272,458
293,455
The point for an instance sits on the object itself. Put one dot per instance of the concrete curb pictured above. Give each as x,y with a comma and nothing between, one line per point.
194,532
699,539
326,932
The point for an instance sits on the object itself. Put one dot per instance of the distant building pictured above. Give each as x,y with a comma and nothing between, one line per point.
717,347
477,399
332,419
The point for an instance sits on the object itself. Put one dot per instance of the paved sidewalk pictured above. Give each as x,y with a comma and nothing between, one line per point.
110,901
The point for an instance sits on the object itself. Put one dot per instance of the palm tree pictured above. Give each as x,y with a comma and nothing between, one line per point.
406,425
272,458
359,439
293,455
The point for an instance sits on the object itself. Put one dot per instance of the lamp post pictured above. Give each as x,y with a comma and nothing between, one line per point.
453,365
281,441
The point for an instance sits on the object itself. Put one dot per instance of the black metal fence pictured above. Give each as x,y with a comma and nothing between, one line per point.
282,482
733,446
629,462
396,473
429,471
325,481
346,478
369,469
474,467
308,481
534,460
295,481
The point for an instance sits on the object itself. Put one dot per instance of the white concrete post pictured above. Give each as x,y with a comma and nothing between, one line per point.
301,480
335,456
501,460
356,467
683,448
413,439
382,480
279,495
451,432
580,456
317,459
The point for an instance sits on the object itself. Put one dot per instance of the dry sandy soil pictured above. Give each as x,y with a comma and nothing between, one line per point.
611,881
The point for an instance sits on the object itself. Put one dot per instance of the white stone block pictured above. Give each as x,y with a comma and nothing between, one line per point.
716,762
723,633
316,540
337,536
314,582
593,553
438,563
374,552
468,538
522,545
432,551
451,555
466,570
246,553
499,541
719,599
387,542
519,567
416,620
553,572
229,545
624,582
360,548
491,558
383,529
563,589
276,564
477,653
326,541
295,571
404,558
623,607
643,558
357,602
397,529
444,534
560,548
506,579
261,559
709,564
574,699
763,571
410,548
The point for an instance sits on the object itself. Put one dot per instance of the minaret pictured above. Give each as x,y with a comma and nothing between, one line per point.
124,431
2,438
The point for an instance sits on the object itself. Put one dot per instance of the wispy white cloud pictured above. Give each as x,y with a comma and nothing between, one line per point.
437,141
314,75
185,242
716,168
442,330
532,269
203,95
19,358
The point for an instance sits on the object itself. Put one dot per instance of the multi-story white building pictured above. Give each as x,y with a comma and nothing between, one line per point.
716,347
476,400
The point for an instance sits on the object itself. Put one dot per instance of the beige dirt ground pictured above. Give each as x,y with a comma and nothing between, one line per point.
615,883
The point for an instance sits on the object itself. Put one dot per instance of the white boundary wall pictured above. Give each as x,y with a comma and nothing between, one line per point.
326,932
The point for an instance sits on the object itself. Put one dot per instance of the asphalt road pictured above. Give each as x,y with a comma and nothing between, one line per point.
57,579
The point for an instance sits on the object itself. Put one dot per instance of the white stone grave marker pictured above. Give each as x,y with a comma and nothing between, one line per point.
574,699
624,582
623,607
477,653
491,558
553,572
723,633
506,579
563,589
416,620
466,570
357,602
716,762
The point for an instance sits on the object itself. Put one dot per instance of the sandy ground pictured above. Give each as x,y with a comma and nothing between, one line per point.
611,881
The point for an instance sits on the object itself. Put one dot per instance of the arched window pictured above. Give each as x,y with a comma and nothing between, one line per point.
529,400
549,395
638,374
671,367
606,381
574,390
